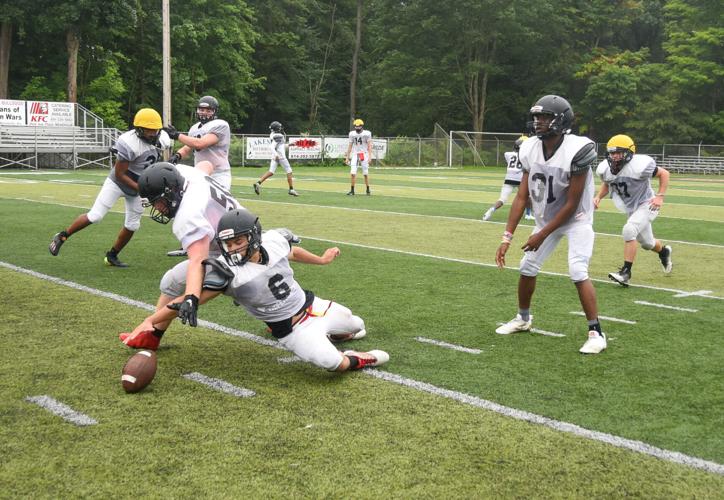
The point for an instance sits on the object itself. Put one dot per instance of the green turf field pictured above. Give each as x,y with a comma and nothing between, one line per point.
416,263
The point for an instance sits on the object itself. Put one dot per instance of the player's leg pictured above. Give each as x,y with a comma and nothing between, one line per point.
290,177
352,174
134,212
365,173
340,324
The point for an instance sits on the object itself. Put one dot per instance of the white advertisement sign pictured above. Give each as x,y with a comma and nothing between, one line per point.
305,148
50,113
259,148
379,149
12,112
336,147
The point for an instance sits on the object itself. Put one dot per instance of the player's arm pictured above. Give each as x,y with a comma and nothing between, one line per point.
516,212
298,254
601,194
369,149
187,308
121,168
164,315
663,176
349,150
183,152
202,142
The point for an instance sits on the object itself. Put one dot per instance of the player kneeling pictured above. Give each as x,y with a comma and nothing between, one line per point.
254,271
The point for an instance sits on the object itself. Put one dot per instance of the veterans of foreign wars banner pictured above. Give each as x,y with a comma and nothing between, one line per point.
38,113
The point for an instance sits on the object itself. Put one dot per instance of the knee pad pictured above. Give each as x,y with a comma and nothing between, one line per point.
578,270
648,244
630,232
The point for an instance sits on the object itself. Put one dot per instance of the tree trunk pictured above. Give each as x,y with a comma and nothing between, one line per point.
315,88
355,58
6,40
72,43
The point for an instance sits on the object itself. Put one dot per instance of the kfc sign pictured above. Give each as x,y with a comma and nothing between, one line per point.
51,113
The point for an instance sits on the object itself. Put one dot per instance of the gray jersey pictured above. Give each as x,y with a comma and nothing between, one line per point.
138,153
278,142
514,170
549,179
268,291
217,154
631,187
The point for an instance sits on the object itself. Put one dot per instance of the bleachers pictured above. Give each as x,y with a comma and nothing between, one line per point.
693,164
24,146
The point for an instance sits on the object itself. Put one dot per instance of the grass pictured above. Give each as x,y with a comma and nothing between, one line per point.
659,382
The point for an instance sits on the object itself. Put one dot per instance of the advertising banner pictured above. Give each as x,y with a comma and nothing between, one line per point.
12,112
50,113
259,148
305,148
336,147
379,149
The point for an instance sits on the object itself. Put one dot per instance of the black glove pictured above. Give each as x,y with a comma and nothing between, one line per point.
171,131
175,158
187,309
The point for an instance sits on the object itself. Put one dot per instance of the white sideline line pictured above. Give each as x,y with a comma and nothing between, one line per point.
637,446
607,318
63,411
664,306
448,346
541,332
219,385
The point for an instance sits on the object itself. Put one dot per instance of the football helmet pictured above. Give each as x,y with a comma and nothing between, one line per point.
161,181
147,119
560,111
275,126
519,141
207,103
237,223
619,144
358,125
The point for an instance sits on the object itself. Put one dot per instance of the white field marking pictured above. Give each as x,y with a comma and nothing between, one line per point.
448,346
607,318
664,306
289,359
69,181
36,172
542,332
637,446
619,442
219,385
63,411
18,181
698,293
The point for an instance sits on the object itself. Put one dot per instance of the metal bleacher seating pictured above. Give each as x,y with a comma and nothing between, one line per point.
693,164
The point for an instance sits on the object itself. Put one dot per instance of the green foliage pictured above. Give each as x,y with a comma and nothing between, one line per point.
104,95
39,89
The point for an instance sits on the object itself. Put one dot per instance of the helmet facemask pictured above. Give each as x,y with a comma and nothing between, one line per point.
141,132
171,199
242,255
625,155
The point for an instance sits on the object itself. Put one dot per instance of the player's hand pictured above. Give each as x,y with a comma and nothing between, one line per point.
187,310
346,161
534,242
500,254
656,203
596,202
175,158
330,254
171,131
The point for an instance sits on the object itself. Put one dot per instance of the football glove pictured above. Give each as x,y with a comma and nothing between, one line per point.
292,238
175,158
187,309
171,131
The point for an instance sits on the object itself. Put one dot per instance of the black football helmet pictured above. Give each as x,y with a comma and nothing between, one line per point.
237,223
275,126
161,181
559,109
207,102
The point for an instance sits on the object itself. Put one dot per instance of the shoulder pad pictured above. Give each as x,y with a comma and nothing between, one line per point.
217,275
292,238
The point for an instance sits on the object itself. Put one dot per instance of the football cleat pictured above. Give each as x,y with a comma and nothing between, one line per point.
596,343
292,192
113,260
371,358
343,337
351,193
57,242
515,325
665,256
144,340
529,217
177,253
488,214
368,193
622,277
257,188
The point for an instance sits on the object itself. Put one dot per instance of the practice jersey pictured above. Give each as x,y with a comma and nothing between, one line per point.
203,203
631,187
138,153
217,154
514,172
549,180
268,291
278,142
360,141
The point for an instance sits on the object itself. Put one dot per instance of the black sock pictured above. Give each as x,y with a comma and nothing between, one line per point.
113,252
353,361
594,325
158,333
64,235
627,266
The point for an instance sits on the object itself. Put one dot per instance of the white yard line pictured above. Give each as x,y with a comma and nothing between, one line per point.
62,410
607,318
664,306
637,446
219,385
541,332
448,346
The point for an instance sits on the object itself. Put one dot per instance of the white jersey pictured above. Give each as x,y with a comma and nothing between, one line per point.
360,142
138,153
203,203
514,171
278,142
268,291
631,187
549,179
217,154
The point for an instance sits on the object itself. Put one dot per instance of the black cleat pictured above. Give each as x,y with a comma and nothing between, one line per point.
113,261
57,242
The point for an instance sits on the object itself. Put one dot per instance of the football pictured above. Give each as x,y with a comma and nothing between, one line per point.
139,371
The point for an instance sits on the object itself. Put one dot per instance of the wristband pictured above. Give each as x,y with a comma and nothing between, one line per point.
507,237
660,194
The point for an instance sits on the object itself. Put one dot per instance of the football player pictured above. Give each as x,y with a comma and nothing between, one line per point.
513,175
627,176
360,149
558,180
135,150
195,202
255,272
279,155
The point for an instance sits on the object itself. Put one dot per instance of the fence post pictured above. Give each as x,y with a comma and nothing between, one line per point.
419,151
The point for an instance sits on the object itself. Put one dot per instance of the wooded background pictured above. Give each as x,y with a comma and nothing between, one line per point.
649,68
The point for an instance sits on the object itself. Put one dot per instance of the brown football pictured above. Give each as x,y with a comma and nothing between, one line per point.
139,371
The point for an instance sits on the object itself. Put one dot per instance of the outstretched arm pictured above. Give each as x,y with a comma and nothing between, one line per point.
298,254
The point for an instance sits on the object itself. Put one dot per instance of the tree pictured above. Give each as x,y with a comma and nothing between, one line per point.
355,60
